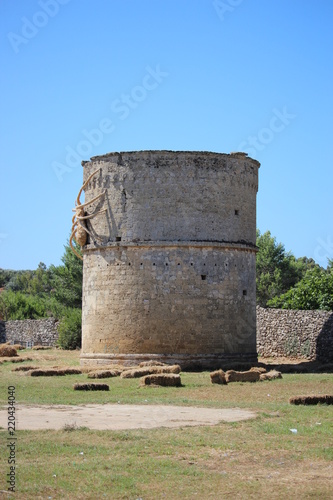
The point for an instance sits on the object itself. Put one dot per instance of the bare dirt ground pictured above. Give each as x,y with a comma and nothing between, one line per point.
120,417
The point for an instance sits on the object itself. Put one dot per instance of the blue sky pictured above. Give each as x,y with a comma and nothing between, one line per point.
82,78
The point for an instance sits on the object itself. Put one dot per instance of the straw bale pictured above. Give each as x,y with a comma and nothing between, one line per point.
248,376
91,387
271,375
218,377
150,370
312,400
163,379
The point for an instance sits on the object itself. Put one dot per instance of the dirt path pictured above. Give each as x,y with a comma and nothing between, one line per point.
119,417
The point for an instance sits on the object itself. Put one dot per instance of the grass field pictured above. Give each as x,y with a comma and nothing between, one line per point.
230,460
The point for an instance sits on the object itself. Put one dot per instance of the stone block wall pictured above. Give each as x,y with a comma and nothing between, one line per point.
169,266
35,331
294,333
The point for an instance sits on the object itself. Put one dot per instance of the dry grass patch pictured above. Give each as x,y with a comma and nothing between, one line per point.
150,370
163,379
91,387
311,400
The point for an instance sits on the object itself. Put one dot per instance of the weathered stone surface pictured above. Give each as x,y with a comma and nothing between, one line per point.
301,334
170,269
33,331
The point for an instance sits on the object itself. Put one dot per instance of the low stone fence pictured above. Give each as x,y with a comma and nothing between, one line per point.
280,332
294,333
29,331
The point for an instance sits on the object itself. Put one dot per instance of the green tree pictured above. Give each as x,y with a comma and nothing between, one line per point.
314,291
67,279
69,329
277,271
17,305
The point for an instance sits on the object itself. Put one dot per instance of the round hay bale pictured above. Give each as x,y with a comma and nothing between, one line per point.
91,387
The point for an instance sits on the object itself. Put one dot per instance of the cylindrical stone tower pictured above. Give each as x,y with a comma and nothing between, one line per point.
169,267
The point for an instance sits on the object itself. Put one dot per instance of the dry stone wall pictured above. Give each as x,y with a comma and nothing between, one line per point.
30,331
290,333
304,334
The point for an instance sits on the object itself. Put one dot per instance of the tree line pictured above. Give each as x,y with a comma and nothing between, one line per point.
282,282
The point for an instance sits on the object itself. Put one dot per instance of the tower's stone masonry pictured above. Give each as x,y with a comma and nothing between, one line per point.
169,271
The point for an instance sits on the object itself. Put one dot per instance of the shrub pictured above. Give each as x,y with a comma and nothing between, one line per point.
69,329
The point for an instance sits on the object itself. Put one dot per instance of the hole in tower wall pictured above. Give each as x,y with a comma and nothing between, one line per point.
244,292
118,238
236,212
203,277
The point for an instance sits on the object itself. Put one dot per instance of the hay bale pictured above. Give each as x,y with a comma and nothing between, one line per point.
91,387
163,379
150,370
259,369
54,372
25,368
91,368
18,347
218,377
248,376
19,359
152,363
104,374
7,351
311,400
271,375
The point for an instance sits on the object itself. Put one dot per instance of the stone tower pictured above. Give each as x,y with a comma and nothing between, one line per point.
169,267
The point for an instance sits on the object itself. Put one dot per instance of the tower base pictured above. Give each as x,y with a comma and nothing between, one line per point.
186,361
